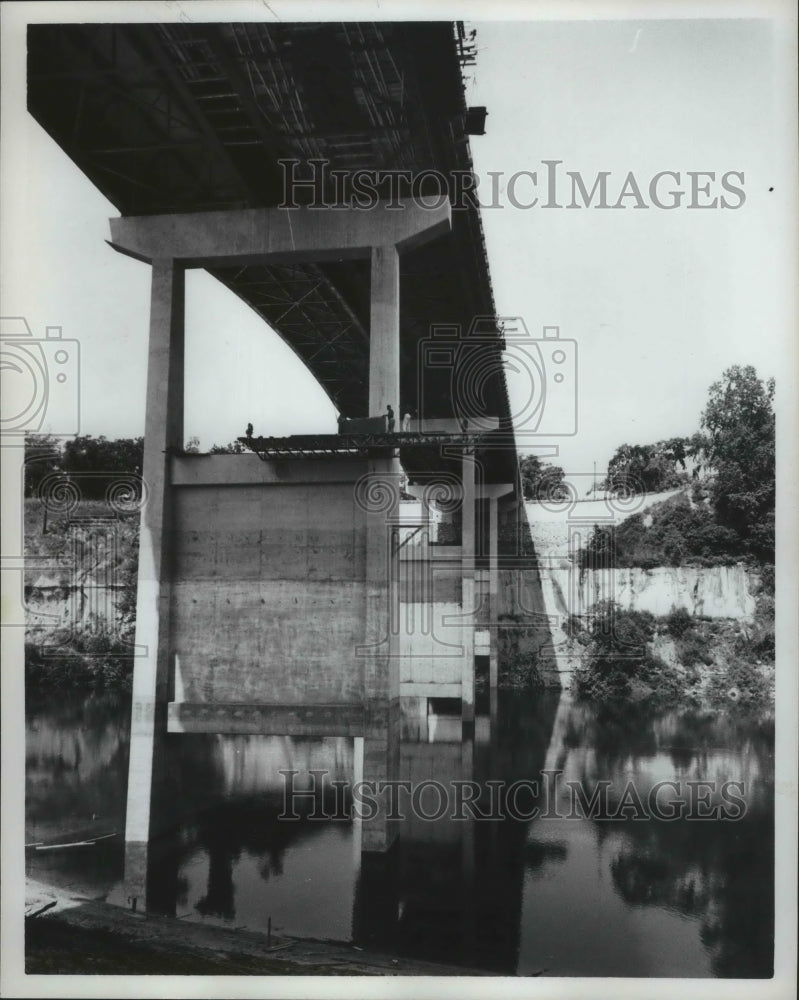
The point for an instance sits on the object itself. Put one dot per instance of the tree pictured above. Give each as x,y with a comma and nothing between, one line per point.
42,458
539,480
232,448
649,468
739,428
93,462
96,461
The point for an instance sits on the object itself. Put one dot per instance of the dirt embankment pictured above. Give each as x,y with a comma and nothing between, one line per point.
68,933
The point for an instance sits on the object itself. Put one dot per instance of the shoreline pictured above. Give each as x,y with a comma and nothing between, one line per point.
72,933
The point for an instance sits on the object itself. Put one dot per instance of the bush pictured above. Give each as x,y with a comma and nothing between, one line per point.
740,683
693,650
767,578
679,532
619,667
678,622
759,642
573,627
646,679
90,660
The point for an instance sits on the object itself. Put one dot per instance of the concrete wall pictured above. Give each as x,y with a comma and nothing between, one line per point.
432,651
525,641
269,592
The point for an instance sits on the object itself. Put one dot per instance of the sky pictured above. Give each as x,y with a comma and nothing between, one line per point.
658,302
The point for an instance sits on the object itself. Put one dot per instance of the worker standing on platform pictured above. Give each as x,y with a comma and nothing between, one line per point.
249,430
406,423
390,419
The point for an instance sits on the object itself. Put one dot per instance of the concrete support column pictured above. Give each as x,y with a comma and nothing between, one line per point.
381,762
381,669
163,431
357,778
381,664
468,597
467,882
493,588
384,333
426,522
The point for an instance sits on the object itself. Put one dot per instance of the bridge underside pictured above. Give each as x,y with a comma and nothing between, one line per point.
182,118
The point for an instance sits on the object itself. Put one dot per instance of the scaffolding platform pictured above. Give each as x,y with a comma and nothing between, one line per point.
317,445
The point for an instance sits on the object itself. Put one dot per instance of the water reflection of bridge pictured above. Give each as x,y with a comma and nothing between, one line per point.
448,890
479,893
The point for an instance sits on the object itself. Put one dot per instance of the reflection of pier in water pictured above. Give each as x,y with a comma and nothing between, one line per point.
458,884
449,890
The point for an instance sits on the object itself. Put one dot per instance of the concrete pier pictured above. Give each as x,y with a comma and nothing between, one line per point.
254,597
384,332
151,676
468,476
272,599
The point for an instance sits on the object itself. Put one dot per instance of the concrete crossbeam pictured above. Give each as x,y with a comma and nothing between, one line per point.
269,720
241,470
202,239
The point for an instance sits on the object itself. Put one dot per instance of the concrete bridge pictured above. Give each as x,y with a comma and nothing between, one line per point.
288,591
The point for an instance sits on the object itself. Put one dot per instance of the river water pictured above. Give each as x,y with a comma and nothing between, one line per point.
558,892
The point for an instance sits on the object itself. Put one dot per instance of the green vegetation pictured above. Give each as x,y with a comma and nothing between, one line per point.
82,660
519,651
80,548
90,462
192,447
619,666
679,531
739,441
650,468
725,513
540,481
712,663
